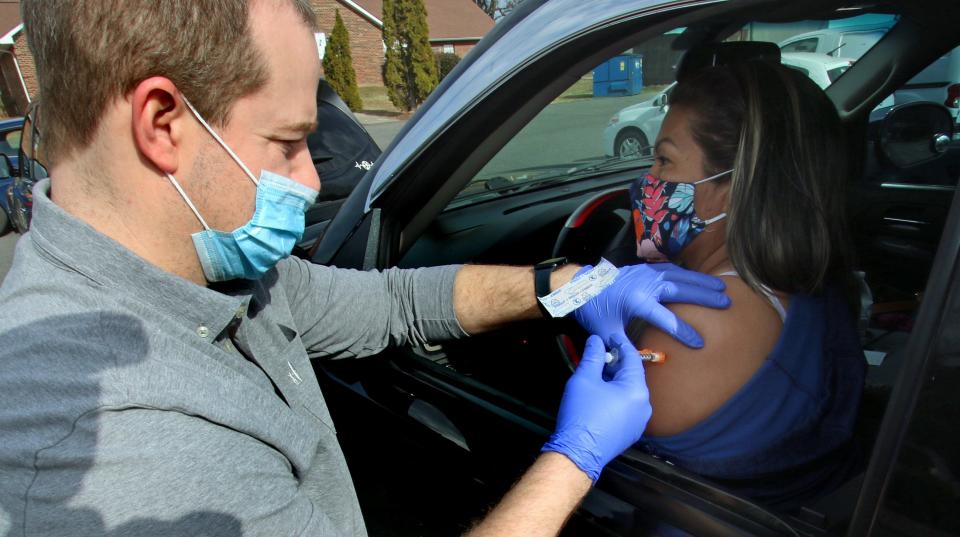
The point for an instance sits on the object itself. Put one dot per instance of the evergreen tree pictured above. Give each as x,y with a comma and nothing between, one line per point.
338,66
410,70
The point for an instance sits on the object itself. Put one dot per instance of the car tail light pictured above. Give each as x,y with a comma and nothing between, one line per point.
953,96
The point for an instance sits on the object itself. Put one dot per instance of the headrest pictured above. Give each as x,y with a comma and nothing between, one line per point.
712,54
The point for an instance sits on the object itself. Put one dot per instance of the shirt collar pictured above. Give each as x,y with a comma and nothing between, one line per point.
106,262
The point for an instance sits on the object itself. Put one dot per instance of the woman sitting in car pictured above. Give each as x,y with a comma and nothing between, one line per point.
748,185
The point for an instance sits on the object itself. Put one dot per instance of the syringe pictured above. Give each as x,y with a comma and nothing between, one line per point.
646,355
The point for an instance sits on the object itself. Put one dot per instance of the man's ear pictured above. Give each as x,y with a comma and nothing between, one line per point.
158,120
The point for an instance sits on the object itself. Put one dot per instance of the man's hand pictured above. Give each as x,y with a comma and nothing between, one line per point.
599,419
639,292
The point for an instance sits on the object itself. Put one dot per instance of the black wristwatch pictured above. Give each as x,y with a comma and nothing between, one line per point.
541,279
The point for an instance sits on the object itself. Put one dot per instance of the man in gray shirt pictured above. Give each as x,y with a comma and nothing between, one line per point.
154,373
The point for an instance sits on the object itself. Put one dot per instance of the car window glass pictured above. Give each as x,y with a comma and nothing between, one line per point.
835,73
801,69
606,121
803,45
10,142
923,493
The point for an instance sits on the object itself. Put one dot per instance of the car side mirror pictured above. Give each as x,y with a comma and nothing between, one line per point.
6,167
915,133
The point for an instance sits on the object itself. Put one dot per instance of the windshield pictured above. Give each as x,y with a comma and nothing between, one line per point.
607,121
834,74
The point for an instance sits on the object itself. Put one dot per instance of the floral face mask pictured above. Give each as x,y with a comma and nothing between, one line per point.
664,218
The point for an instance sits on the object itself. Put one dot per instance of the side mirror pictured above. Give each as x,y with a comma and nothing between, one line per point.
915,133
6,167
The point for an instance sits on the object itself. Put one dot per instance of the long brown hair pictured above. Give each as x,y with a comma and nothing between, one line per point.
782,137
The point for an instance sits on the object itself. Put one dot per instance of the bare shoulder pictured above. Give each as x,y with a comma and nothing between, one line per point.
693,383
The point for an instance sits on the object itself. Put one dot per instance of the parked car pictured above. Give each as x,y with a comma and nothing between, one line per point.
939,82
631,131
9,144
6,182
19,197
821,68
10,138
494,169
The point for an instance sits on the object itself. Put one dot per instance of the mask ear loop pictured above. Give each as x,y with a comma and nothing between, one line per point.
712,177
220,141
709,221
189,203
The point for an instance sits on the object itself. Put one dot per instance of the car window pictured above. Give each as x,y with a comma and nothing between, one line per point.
803,45
923,494
608,120
834,74
10,142
605,121
801,69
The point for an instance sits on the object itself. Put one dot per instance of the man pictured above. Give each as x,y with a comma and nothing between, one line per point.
154,372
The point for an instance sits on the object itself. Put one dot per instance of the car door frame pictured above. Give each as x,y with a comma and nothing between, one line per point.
376,239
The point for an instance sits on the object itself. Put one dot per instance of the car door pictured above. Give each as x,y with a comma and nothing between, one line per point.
461,397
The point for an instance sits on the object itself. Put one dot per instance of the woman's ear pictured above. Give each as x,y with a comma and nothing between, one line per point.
158,119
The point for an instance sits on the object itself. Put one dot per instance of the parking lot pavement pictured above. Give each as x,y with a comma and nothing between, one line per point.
382,130
582,122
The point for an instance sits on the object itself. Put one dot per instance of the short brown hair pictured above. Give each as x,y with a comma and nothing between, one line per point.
89,52
782,137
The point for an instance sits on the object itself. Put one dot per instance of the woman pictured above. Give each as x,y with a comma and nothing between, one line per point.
747,185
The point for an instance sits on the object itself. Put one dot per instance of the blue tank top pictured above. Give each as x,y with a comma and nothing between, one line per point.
786,433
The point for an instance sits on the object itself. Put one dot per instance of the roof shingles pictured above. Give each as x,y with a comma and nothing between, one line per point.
447,19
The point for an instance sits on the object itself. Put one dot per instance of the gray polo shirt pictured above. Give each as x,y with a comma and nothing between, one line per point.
133,402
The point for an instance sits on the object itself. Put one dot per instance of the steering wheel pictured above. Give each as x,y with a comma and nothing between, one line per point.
601,226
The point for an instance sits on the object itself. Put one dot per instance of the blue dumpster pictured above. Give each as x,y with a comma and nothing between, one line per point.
620,75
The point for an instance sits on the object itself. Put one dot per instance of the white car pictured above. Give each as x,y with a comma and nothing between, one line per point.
632,131
939,82
821,68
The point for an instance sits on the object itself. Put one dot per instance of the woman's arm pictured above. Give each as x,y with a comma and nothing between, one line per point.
693,383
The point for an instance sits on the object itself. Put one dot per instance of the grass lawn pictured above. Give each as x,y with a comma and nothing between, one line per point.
376,102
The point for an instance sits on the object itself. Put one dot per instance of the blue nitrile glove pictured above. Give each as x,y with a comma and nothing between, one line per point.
600,419
639,291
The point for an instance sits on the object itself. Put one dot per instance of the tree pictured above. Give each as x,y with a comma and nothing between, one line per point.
446,61
504,9
338,66
410,70
488,6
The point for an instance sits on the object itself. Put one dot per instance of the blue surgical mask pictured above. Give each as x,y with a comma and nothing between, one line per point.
254,248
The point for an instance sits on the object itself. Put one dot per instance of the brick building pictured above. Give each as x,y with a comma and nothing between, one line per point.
17,78
455,26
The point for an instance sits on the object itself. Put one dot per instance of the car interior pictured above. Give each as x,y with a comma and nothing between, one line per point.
485,212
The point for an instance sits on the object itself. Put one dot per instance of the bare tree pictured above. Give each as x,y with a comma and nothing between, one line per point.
488,6
504,7
497,9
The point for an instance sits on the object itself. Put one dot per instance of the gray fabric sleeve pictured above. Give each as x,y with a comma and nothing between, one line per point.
348,313
133,472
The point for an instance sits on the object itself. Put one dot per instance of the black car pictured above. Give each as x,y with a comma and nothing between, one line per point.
505,164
